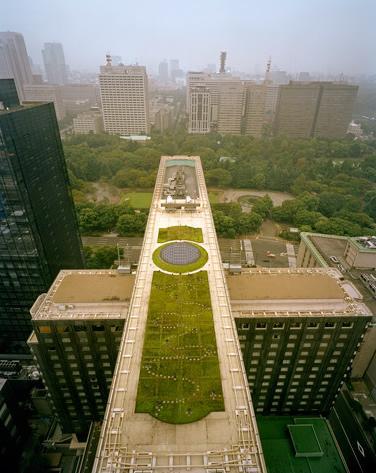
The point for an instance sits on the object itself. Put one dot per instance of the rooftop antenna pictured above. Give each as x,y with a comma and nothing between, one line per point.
108,59
222,59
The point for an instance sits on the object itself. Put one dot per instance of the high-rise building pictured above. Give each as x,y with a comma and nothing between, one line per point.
163,71
46,93
299,331
124,96
54,63
255,109
78,326
14,61
192,343
38,226
321,109
216,100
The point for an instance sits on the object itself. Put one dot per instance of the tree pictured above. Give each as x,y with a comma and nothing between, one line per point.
248,223
263,206
218,177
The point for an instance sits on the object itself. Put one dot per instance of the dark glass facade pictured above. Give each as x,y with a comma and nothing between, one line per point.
8,93
38,227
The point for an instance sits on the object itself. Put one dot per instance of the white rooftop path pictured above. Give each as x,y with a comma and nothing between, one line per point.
222,441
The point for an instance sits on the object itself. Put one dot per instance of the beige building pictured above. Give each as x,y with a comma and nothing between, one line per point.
124,97
215,102
321,109
360,252
88,122
46,93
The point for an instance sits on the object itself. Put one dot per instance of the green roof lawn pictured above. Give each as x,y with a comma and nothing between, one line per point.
180,378
182,232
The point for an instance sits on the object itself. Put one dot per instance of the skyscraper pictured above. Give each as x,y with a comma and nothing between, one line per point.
54,63
125,102
163,71
307,109
14,61
38,227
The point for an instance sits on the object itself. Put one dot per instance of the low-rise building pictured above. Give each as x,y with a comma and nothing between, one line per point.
360,252
88,122
46,93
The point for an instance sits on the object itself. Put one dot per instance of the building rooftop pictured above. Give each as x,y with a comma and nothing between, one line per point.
258,285
294,292
90,286
366,243
85,294
279,451
324,246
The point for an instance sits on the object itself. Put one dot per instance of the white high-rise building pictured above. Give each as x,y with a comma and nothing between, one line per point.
14,61
124,96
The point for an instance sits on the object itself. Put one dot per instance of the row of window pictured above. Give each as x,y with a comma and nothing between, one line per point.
295,325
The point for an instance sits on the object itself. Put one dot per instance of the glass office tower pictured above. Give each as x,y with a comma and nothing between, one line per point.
38,226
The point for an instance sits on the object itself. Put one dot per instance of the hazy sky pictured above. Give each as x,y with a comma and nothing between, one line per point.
300,35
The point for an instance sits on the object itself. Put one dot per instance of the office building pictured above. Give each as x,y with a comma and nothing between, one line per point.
179,397
215,103
54,63
15,419
88,122
77,328
255,109
299,331
314,109
14,61
38,227
46,93
163,71
189,436
124,97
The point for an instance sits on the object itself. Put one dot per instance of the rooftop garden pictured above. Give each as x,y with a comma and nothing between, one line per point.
180,378
182,232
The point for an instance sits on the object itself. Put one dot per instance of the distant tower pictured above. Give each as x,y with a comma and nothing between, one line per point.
268,67
54,63
222,59
108,60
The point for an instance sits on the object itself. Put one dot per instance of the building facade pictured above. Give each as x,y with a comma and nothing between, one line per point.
255,109
299,331
77,329
88,122
38,226
54,63
124,97
14,61
46,93
320,109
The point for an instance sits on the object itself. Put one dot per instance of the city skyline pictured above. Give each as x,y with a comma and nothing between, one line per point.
295,35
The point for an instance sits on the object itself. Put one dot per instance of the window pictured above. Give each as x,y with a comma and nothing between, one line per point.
244,326
260,326
295,325
347,324
278,325
98,328
330,324
313,325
